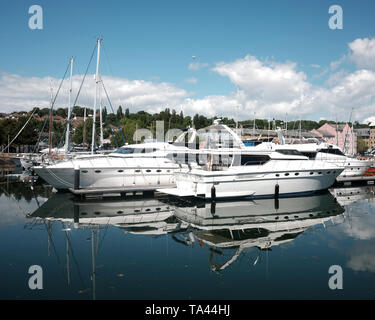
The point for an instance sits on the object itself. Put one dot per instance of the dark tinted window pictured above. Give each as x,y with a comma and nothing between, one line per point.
125,150
249,160
332,151
310,155
289,152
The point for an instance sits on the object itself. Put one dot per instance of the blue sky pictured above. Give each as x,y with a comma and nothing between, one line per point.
154,41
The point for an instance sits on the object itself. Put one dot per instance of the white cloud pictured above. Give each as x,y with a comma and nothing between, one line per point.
363,53
192,80
266,87
335,64
24,93
270,81
370,120
197,65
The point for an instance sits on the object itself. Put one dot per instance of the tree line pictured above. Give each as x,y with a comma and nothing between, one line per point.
120,126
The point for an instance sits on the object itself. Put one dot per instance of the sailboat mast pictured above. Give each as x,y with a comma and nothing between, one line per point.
66,147
101,116
286,125
50,124
95,98
254,126
84,129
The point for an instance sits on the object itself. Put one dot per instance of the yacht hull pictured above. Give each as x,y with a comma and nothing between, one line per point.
256,181
105,172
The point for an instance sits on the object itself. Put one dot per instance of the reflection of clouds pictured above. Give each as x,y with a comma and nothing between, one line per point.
360,228
362,257
13,212
360,221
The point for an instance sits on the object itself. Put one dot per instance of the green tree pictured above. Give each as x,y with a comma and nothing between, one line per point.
361,145
120,114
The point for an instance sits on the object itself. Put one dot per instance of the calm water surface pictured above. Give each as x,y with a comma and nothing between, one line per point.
160,248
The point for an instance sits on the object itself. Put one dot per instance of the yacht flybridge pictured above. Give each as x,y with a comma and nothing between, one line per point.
234,170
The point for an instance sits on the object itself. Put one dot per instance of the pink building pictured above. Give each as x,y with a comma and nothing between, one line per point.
341,135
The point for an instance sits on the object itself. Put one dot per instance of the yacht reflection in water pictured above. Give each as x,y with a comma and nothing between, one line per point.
138,214
228,228
349,195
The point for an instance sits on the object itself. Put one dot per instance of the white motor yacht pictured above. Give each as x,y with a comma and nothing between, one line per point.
328,152
318,150
140,165
258,172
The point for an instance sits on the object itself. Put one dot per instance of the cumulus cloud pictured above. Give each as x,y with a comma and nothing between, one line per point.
266,87
335,64
370,120
363,53
270,81
25,93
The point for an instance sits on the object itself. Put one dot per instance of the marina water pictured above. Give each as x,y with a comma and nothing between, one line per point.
160,248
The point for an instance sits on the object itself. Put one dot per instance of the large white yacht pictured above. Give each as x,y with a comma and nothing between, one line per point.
261,171
319,150
143,164
328,152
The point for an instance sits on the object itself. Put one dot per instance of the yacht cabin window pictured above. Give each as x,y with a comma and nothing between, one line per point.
289,152
332,151
129,150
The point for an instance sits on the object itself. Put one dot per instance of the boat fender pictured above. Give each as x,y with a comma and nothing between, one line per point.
276,203
213,192
76,177
277,190
213,208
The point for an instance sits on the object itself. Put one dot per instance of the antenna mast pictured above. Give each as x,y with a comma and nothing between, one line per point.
66,147
97,80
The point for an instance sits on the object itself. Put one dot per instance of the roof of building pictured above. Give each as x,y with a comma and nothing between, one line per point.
325,133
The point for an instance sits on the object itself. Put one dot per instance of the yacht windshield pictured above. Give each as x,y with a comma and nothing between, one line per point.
332,151
218,136
253,160
289,152
129,150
